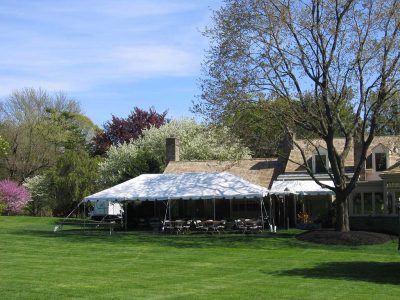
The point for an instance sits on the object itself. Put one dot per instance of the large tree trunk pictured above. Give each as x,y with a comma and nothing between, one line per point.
342,213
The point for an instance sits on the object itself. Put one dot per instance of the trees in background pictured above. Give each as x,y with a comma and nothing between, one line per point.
147,153
50,148
4,147
58,190
41,202
388,122
13,197
320,58
38,127
120,130
72,178
254,123
46,145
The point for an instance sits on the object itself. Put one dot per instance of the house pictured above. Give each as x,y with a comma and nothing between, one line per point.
371,204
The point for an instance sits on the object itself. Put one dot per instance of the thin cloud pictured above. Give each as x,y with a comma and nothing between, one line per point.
157,60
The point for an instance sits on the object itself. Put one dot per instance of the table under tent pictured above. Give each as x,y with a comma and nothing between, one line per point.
293,198
170,197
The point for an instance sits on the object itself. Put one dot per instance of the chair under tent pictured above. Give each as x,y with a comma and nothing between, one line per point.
171,187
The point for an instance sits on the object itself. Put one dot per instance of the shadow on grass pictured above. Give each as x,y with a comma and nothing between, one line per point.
376,272
264,240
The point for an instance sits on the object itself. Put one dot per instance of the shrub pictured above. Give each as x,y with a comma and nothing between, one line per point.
13,196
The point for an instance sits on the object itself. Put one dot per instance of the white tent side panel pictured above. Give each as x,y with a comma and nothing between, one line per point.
194,186
305,187
107,208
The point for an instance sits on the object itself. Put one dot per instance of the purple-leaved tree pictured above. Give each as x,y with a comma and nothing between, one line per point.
13,196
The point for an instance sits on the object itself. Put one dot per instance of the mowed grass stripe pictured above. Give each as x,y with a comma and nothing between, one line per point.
36,263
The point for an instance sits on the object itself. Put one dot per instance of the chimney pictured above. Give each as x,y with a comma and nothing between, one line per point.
172,149
285,147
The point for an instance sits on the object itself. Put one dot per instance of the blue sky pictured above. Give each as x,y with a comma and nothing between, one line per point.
109,55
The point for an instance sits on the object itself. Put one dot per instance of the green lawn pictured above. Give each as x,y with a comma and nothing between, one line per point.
36,263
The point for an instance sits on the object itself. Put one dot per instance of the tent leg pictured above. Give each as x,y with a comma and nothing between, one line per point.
271,215
214,208
165,215
295,197
84,216
169,210
274,212
126,216
279,212
262,214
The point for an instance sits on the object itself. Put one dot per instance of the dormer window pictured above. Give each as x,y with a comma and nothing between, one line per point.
320,161
380,161
368,162
380,155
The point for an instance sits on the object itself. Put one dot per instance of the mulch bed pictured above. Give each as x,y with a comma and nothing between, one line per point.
352,238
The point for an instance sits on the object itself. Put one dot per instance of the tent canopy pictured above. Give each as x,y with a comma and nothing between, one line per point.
185,186
303,187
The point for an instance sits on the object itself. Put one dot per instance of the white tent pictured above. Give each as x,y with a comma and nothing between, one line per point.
182,186
185,186
300,187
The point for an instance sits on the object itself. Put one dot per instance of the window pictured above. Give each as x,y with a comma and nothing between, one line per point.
373,203
390,203
379,204
320,161
380,161
368,162
357,204
368,204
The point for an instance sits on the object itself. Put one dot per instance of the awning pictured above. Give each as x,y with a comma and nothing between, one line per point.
300,187
185,186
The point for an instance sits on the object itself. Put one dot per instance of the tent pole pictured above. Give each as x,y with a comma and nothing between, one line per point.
262,214
296,197
84,216
73,210
165,215
284,211
169,210
126,215
272,217
214,208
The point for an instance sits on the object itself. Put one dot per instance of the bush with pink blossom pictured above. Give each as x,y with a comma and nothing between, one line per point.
13,197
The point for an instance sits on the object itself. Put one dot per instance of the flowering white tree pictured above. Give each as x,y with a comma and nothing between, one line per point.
40,203
197,142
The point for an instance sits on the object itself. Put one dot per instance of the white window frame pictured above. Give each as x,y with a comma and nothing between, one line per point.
381,150
362,212
316,154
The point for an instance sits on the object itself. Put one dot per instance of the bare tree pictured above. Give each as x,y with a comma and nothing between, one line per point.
325,57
